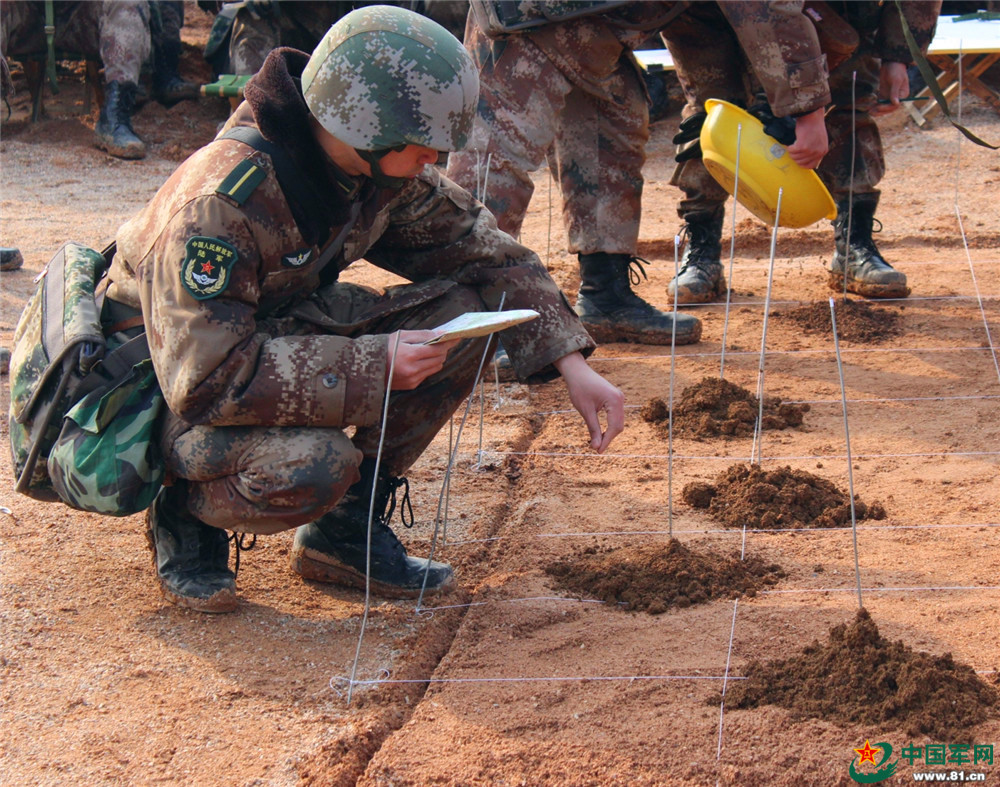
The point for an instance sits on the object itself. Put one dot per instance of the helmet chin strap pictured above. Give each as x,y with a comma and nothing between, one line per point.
373,157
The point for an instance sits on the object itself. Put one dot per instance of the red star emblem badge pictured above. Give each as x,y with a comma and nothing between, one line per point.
207,267
867,753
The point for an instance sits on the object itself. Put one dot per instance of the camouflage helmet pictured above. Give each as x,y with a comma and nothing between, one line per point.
384,76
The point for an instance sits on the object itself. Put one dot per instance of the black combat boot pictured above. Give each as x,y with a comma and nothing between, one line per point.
168,86
700,278
190,557
867,273
334,547
611,312
114,126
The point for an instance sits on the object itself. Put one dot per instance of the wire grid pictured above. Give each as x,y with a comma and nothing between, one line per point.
723,673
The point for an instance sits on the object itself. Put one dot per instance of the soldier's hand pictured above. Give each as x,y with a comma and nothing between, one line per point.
415,361
893,84
591,394
811,141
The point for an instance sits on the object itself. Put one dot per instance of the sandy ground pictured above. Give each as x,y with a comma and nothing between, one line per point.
507,681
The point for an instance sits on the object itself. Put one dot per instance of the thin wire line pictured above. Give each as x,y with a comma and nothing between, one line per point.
725,679
847,441
451,463
732,252
759,428
670,406
371,516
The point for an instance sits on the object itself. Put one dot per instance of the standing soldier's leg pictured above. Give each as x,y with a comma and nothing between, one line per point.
123,33
709,64
521,92
599,152
167,18
852,170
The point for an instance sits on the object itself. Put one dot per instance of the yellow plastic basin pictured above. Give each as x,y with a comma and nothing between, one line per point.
765,167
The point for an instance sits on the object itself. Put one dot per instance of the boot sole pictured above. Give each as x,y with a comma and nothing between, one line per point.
835,281
218,603
610,334
686,296
130,154
309,565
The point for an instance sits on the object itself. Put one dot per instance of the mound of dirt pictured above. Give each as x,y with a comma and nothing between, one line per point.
653,577
860,677
781,498
857,321
715,407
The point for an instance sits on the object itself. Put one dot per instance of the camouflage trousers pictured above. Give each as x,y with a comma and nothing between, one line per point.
261,27
117,31
710,64
571,93
261,479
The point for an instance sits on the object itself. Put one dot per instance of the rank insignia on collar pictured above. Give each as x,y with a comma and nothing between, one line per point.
207,266
297,258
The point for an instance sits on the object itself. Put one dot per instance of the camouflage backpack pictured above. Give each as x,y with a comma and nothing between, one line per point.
83,407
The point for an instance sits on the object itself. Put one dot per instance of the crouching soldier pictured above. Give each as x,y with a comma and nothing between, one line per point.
265,358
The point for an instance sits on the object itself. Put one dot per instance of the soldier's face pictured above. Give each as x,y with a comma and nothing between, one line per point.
408,162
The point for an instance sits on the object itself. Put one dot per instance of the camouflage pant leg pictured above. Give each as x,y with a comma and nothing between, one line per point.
21,28
115,30
267,479
520,94
167,19
264,479
709,64
600,148
253,37
867,156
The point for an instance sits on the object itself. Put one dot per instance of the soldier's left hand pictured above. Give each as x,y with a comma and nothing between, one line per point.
591,394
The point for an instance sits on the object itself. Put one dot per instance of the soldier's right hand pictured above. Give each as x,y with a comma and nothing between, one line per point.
415,361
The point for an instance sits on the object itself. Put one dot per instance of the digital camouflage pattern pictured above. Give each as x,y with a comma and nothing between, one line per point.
116,31
773,45
58,335
106,458
262,379
572,88
384,76
881,39
255,27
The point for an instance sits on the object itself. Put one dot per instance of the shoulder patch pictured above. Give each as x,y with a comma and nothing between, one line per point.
207,266
240,183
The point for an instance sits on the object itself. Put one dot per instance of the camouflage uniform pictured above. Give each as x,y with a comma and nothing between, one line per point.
259,27
263,361
785,57
117,31
707,43
575,89
571,89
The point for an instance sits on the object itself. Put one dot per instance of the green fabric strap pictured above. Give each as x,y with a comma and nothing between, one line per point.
932,84
50,38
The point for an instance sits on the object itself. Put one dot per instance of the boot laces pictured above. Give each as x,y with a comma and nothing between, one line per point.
241,545
405,506
692,236
635,269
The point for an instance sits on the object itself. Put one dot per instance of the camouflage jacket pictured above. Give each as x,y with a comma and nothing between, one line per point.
782,45
222,265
